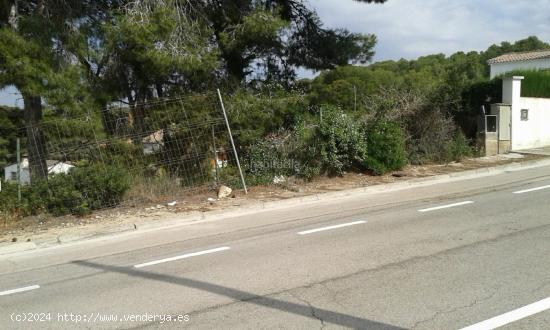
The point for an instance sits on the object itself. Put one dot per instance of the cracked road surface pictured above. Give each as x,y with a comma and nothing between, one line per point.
479,251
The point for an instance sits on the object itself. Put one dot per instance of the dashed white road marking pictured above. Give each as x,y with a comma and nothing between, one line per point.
515,315
27,288
306,232
530,190
445,206
184,256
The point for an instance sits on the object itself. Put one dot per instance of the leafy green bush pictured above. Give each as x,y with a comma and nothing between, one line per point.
386,145
305,152
253,116
83,189
336,145
58,196
341,142
230,176
457,148
263,162
9,203
100,185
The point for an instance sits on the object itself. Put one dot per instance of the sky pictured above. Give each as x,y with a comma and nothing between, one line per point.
409,29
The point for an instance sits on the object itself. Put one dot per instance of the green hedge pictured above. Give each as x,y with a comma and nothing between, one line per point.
535,84
80,191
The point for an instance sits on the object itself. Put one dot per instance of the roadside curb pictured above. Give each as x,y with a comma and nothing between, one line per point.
17,247
260,206
380,188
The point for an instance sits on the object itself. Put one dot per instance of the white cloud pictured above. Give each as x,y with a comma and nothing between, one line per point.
408,29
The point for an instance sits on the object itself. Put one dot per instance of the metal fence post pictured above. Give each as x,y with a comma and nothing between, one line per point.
215,156
19,170
232,142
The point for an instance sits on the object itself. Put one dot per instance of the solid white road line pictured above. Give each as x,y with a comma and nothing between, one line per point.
184,256
331,227
515,315
445,206
530,190
27,288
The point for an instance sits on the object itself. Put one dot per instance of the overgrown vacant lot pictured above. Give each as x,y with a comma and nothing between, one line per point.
45,228
132,103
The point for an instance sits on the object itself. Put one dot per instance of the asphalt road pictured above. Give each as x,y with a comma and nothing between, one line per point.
455,254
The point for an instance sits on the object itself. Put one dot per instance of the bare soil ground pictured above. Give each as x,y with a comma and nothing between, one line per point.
44,228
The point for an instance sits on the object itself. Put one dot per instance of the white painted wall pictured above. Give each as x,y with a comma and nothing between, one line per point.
501,68
25,174
535,131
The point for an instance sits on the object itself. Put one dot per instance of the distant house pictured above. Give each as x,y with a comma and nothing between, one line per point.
153,143
57,167
536,60
518,123
54,167
10,172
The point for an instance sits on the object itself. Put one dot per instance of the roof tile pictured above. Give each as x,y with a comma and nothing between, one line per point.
516,57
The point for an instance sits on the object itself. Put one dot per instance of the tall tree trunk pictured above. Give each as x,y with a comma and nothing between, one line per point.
32,114
36,142
138,116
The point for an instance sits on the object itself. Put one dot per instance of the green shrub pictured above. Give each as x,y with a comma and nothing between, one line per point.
9,203
429,133
58,196
386,145
458,148
230,176
342,143
304,152
336,145
253,116
263,162
83,189
101,185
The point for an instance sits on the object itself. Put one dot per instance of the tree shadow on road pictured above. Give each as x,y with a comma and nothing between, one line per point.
323,315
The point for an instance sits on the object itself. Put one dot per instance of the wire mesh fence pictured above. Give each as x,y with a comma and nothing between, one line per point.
125,154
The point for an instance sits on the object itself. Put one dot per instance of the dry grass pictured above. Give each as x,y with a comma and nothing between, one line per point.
159,189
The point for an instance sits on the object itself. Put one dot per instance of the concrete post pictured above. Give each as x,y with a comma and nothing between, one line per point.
511,94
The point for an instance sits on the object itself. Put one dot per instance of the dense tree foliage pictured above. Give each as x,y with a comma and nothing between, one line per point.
437,99
10,122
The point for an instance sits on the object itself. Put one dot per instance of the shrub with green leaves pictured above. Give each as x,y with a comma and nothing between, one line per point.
9,204
58,196
386,144
336,145
100,185
253,116
83,189
305,152
263,162
457,148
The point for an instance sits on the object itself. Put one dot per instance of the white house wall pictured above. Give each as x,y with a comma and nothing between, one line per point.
498,69
60,168
25,175
534,132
